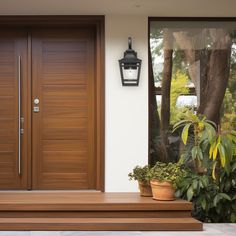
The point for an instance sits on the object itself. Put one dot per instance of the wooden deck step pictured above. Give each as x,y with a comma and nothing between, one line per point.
58,210
146,224
82,201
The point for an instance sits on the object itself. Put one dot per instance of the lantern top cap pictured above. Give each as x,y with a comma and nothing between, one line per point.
130,55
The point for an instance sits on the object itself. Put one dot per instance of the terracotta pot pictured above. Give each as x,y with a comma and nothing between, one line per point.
163,191
145,188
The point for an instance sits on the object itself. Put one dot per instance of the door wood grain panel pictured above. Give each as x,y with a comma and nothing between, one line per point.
12,45
64,128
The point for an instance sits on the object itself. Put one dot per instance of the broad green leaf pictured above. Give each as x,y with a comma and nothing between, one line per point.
225,196
201,184
210,131
227,168
214,170
222,154
232,137
212,123
203,203
204,181
178,193
216,200
215,150
190,194
211,150
228,148
185,133
180,124
195,184
200,154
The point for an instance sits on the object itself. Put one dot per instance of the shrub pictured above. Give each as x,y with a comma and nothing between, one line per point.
213,200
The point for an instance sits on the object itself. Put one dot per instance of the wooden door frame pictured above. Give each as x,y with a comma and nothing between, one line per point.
97,22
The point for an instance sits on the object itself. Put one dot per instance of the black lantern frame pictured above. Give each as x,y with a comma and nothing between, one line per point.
130,66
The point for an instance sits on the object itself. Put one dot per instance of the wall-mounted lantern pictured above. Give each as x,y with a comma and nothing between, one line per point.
130,66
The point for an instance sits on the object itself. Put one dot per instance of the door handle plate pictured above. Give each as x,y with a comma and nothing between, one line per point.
36,109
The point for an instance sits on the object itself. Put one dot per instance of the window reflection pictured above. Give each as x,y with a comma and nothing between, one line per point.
194,70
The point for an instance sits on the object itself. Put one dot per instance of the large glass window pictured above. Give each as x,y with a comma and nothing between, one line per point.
193,69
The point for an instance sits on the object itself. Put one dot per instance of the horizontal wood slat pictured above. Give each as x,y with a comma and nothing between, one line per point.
83,201
99,224
95,214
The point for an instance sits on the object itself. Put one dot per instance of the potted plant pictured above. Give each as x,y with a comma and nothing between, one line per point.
164,178
141,175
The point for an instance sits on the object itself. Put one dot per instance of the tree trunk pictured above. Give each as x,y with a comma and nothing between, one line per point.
215,66
218,75
204,57
217,83
165,89
154,119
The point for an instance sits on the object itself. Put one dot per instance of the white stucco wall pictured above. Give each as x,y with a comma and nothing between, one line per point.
126,134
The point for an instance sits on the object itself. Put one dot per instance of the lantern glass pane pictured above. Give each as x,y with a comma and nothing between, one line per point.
130,74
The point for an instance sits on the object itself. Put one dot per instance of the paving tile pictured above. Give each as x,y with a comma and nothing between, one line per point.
15,233
209,230
45,233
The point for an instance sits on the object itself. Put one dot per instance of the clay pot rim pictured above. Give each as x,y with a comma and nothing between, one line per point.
161,183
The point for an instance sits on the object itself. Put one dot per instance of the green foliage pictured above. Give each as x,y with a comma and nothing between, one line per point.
213,193
213,201
228,111
228,108
140,173
178,87
222,149
196,133
218,147
171,172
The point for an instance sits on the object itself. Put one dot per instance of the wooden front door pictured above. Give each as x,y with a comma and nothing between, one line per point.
48,109
13,84
63,115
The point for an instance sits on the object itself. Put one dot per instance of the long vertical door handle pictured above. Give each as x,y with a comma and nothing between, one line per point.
19,115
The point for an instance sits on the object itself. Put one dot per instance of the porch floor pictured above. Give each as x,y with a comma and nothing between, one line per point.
60,210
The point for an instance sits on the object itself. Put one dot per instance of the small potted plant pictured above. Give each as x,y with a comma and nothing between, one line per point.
164,178
141,174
